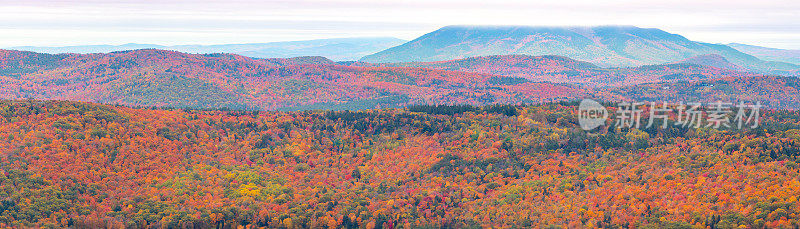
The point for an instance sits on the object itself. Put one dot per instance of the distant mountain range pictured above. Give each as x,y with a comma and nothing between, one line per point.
453,65
605,46
338,49
769,54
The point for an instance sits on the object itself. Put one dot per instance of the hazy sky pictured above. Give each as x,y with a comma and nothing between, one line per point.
80,22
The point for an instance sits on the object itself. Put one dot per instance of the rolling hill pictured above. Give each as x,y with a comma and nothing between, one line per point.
174,79
161,78
606,46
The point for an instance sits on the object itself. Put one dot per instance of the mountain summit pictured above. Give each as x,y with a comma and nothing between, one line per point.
606,46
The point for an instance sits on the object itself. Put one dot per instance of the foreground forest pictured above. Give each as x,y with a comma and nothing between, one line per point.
85,165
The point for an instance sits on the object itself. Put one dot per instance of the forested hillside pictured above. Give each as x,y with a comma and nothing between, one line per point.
770,91
72,164
159,78
173,79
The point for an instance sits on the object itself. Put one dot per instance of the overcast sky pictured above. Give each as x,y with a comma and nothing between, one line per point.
81,22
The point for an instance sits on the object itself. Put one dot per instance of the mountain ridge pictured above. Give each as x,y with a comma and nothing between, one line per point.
605,46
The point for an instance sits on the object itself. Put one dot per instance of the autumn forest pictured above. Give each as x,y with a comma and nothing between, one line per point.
86,165
569,127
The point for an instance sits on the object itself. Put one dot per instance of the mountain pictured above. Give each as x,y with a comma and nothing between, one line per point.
712,60
339,49
606,46
770,54
173,79
559,69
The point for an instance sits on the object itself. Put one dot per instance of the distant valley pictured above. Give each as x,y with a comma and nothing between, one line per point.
453,65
